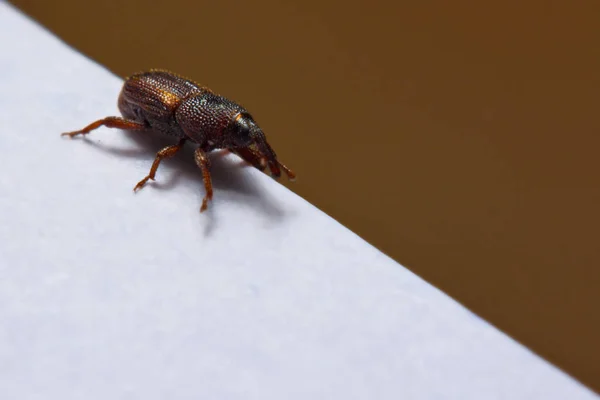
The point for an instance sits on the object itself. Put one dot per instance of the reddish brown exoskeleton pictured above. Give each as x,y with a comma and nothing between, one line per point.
165,102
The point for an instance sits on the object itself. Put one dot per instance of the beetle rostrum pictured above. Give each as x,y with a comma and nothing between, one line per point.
163,101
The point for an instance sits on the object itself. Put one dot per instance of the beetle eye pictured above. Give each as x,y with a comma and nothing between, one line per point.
241,136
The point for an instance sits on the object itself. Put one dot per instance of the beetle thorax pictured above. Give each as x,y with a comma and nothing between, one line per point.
208,118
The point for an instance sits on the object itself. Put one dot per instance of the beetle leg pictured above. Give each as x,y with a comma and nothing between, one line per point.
290,174
259,161
109,122
204,164
252,157
167,152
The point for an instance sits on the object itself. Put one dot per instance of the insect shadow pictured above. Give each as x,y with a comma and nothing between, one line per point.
228,175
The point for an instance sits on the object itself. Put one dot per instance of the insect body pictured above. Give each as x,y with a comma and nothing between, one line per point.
162,101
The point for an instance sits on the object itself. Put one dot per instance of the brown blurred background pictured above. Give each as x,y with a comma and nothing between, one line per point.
459,137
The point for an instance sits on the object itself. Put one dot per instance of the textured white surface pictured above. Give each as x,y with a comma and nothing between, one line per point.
109,295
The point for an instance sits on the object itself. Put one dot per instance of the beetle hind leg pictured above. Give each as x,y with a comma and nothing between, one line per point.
109,122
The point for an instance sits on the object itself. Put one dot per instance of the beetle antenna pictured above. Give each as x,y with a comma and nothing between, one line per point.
263,146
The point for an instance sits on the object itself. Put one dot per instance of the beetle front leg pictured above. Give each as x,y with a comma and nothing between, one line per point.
167,152
290,174
109,122
252,157
204,164
260,162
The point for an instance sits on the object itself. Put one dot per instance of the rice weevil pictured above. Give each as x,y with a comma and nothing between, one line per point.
171,104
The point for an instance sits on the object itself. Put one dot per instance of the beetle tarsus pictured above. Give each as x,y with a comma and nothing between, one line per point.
141,183
204,205
167,152
290,174
73,134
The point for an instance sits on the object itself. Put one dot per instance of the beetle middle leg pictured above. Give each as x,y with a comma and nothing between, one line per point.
109,122
204,164
167,152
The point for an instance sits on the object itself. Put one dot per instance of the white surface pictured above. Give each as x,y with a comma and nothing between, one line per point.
109,295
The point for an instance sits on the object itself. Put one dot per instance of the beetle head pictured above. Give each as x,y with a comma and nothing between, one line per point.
242,131
246,133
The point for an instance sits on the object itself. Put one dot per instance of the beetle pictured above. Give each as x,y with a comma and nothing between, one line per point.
163,101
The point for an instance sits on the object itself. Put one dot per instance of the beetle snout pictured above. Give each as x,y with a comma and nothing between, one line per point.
261,142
